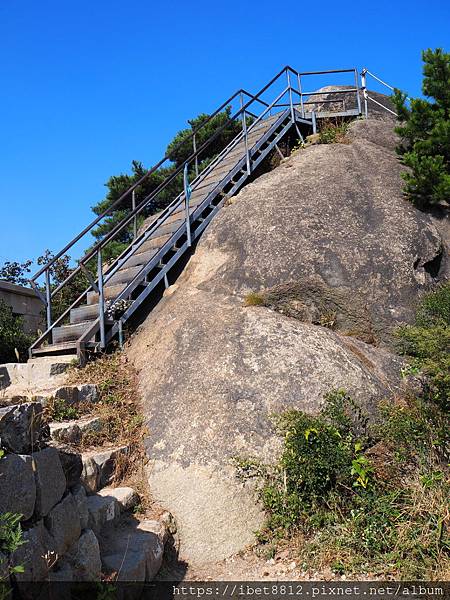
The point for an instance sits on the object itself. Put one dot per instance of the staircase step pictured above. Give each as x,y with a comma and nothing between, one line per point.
124,275
84,313
111,291
82,317
68,333
67,347
154,243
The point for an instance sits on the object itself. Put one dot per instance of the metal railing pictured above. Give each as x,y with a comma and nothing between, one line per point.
247,115
366,96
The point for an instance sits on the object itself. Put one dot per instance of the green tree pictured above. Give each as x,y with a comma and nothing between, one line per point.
181,147
425,133
15,272
178,150
14,342
59,272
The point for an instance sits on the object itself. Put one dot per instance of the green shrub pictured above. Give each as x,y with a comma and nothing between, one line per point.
427,342
334,132
14,343
59,410
363,497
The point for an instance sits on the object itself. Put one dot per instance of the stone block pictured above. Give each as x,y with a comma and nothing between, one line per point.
68,393
34,555
63,524
58,368
84,557
50,480
22,428
106,461
90,474
71,432
17,485
153,536
102,510
144,538
126,497
88,392
66,433
5,379
79,494
130,566
71,465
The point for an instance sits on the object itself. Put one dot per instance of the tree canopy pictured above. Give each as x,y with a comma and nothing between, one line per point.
178,150
425,133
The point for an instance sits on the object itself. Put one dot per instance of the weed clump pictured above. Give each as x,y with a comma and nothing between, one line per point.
254,299
334,132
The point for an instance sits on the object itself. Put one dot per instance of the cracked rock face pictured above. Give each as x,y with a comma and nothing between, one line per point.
329,223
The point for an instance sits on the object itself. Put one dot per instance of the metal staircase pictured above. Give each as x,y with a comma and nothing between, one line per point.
134,280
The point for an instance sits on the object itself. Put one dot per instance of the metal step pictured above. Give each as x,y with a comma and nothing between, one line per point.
124,275
68,333
111,291
84,313
210,187
49,349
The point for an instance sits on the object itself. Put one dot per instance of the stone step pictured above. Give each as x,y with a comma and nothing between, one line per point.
71,432
99,465
133,550
127,498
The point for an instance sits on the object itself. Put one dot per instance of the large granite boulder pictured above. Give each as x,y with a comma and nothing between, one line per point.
329,240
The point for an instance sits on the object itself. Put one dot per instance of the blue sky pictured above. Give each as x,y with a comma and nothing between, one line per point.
88,86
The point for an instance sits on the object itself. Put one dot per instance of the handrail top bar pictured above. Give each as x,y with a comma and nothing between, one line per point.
152,170
325,72
253,98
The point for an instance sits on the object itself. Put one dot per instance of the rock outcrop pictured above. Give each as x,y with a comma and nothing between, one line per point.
330,239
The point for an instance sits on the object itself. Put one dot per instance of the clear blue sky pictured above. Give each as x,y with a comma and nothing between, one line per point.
89,85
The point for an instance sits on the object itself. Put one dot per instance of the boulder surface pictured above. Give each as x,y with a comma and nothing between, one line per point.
331,241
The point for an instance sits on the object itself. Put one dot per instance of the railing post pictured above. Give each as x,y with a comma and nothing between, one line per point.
288,75
358,99
194,144
101,300
314,122
244,129
301,94
187,196
364,91
133,206
48,298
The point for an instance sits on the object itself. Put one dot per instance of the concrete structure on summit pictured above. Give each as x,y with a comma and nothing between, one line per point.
25,303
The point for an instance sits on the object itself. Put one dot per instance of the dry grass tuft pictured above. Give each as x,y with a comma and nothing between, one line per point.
119,409
254,299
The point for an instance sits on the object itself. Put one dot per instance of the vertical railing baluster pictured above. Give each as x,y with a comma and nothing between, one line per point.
133,206
314,121
358,99
244,129
301,93
101,300
288,75
364,91
48,298
194,144
187,196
